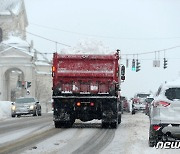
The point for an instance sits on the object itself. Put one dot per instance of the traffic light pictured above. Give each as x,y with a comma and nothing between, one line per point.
22,83
133,65
123,72
137,65
165,63
28,84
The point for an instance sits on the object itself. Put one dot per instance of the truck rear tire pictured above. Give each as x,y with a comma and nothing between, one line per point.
57,124
105,125
114,124
66,124
119,119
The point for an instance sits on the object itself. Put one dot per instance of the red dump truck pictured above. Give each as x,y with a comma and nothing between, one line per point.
86,87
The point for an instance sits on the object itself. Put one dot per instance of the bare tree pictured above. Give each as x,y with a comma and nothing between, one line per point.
43,93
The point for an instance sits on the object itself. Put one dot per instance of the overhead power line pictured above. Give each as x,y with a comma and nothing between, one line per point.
103,36
143,53
47,39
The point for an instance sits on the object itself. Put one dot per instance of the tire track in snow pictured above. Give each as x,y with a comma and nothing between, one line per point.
97,142
25,142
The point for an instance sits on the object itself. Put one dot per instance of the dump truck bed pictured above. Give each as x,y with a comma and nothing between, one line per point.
85,73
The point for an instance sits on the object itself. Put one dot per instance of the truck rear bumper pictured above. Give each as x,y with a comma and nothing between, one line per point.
86,97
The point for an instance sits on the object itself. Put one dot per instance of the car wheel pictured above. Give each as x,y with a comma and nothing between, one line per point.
151,143
39,114
35,113
13,115
122,111
133,111
119,119
152,138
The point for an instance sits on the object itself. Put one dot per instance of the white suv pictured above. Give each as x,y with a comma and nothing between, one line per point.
165,114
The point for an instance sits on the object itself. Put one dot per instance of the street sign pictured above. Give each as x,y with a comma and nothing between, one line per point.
156,63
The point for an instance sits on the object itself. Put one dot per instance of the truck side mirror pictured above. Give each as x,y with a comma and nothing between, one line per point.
122,72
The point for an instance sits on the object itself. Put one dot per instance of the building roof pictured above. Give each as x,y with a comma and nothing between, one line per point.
17,43
8,6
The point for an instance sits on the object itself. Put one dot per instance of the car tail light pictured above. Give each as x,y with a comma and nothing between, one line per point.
78,104
91,103
156,127
161,103
136,100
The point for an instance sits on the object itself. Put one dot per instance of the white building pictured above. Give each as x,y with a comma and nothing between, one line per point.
19,62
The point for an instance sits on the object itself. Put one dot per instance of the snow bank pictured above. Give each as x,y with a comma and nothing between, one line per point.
5,109
87,47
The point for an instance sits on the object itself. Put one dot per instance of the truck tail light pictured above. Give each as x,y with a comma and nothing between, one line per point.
161,103
52,105
156,127
91,103
53,70
78,104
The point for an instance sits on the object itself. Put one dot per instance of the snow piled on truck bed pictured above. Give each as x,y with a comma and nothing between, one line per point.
88,47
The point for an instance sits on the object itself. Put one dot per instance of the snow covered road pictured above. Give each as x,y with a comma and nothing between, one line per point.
29,135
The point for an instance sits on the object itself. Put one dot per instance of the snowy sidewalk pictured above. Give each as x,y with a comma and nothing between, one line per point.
5,109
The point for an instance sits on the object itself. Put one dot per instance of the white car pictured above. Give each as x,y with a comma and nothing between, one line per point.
165,114
140,97
140,106
24,106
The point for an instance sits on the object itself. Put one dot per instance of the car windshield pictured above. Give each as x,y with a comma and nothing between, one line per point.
149,100
123,98
143,95
173,93
25,100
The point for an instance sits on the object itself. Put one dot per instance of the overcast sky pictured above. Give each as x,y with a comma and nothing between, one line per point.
133,26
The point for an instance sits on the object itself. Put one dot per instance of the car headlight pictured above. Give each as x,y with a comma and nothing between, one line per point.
32,107
13,107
